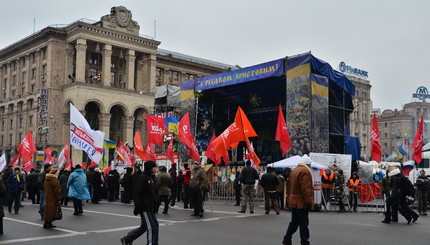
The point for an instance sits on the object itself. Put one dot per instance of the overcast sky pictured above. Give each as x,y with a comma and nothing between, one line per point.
388,38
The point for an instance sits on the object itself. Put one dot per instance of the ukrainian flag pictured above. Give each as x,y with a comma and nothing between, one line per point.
401,153
109,144
172,124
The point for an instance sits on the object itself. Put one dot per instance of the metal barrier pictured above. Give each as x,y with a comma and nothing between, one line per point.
222,192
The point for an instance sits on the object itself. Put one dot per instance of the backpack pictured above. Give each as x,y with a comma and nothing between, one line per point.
407,187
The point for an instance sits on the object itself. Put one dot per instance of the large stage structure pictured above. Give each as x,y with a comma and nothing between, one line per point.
316,99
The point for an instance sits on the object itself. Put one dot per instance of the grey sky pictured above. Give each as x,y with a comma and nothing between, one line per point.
388,38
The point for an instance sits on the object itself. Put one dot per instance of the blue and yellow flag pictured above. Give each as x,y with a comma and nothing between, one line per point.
172,124
109,144
401,153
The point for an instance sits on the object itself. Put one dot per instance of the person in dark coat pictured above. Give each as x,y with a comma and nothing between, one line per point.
63,185
423,185
2,195
90,177
127,184
163,183
237,187
112,184
52,197
97,185
180,186
33,187
173,184
248,176
146,201
15,185
269,182
117,176
187,191
41,183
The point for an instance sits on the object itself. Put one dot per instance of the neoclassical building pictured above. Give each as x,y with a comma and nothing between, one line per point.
105,68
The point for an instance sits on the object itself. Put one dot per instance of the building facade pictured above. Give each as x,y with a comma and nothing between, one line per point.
360,119
105,68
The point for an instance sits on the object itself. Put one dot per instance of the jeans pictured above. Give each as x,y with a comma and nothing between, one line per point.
148,224
353,199
299,218
42,203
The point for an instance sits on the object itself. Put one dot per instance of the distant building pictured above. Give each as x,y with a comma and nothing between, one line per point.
105,68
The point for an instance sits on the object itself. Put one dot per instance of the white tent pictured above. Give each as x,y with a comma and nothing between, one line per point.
292,162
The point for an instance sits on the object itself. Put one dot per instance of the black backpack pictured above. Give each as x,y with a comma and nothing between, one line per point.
407,187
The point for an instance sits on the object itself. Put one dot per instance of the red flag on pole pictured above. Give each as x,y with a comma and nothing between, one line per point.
282,132
186,137
69,165
15,160
252,155
193,152
419,142
156,129
210,153
376,142
48,155
64,155
226,158
106,171
125,155
138,147
27,147
170,152
28,165
149,153
93,164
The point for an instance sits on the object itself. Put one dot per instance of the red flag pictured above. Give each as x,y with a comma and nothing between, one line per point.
125,155
252,155
376,142
368,192
184,128
48,155
156,129
170,153
210,153
282,133
226,158
244,123
193,152
69,165
93,164
106,171
15,160
138,147
419,143
27,147
64,155
84,165
28,166
149,153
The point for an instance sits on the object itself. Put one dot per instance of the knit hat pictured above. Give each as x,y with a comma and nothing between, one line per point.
174,165
147,167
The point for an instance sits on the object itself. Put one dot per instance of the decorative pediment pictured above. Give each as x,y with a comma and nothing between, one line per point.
120,19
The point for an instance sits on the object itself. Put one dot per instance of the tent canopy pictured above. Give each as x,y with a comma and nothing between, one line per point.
292,162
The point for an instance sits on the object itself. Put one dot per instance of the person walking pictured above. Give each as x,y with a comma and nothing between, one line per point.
63,185
269,182
198,182
2,195
163,183
422,185
237,188
174,184
353,183
52,197
247,178
146,201
41,182
78,190
15,185
301,201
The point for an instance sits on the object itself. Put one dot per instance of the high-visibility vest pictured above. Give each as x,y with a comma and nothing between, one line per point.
353,184
326,185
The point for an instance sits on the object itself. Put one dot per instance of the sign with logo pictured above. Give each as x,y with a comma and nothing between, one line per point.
349,69
422,93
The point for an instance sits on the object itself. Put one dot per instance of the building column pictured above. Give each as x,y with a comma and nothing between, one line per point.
128,124
152,71
106,64
81,49
129,68
70,52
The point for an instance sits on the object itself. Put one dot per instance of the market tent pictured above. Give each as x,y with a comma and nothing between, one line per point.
292,162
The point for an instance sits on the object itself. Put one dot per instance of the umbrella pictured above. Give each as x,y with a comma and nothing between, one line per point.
292,162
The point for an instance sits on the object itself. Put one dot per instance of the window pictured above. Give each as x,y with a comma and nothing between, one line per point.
33,73
23,79
10,139
1,140
32,87
20,122
386,135
14,65
30,104
2,125
11,123
13,79
158,73
19,137
33,58
385,144
385,125
30,119
13,93
44,70
174,75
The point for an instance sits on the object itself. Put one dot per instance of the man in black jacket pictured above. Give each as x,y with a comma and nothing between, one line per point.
146,201
269,182
247,178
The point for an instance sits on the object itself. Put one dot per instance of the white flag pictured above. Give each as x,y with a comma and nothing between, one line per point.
82,137
2,162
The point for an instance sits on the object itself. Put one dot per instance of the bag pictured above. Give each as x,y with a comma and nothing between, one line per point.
408,188
58,213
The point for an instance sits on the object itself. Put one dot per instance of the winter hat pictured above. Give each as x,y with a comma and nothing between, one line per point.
174,165
148,166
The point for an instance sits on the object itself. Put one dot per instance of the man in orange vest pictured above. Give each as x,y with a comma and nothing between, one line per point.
327,181
353,184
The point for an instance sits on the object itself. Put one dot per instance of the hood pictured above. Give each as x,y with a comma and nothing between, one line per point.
394,172
50,177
